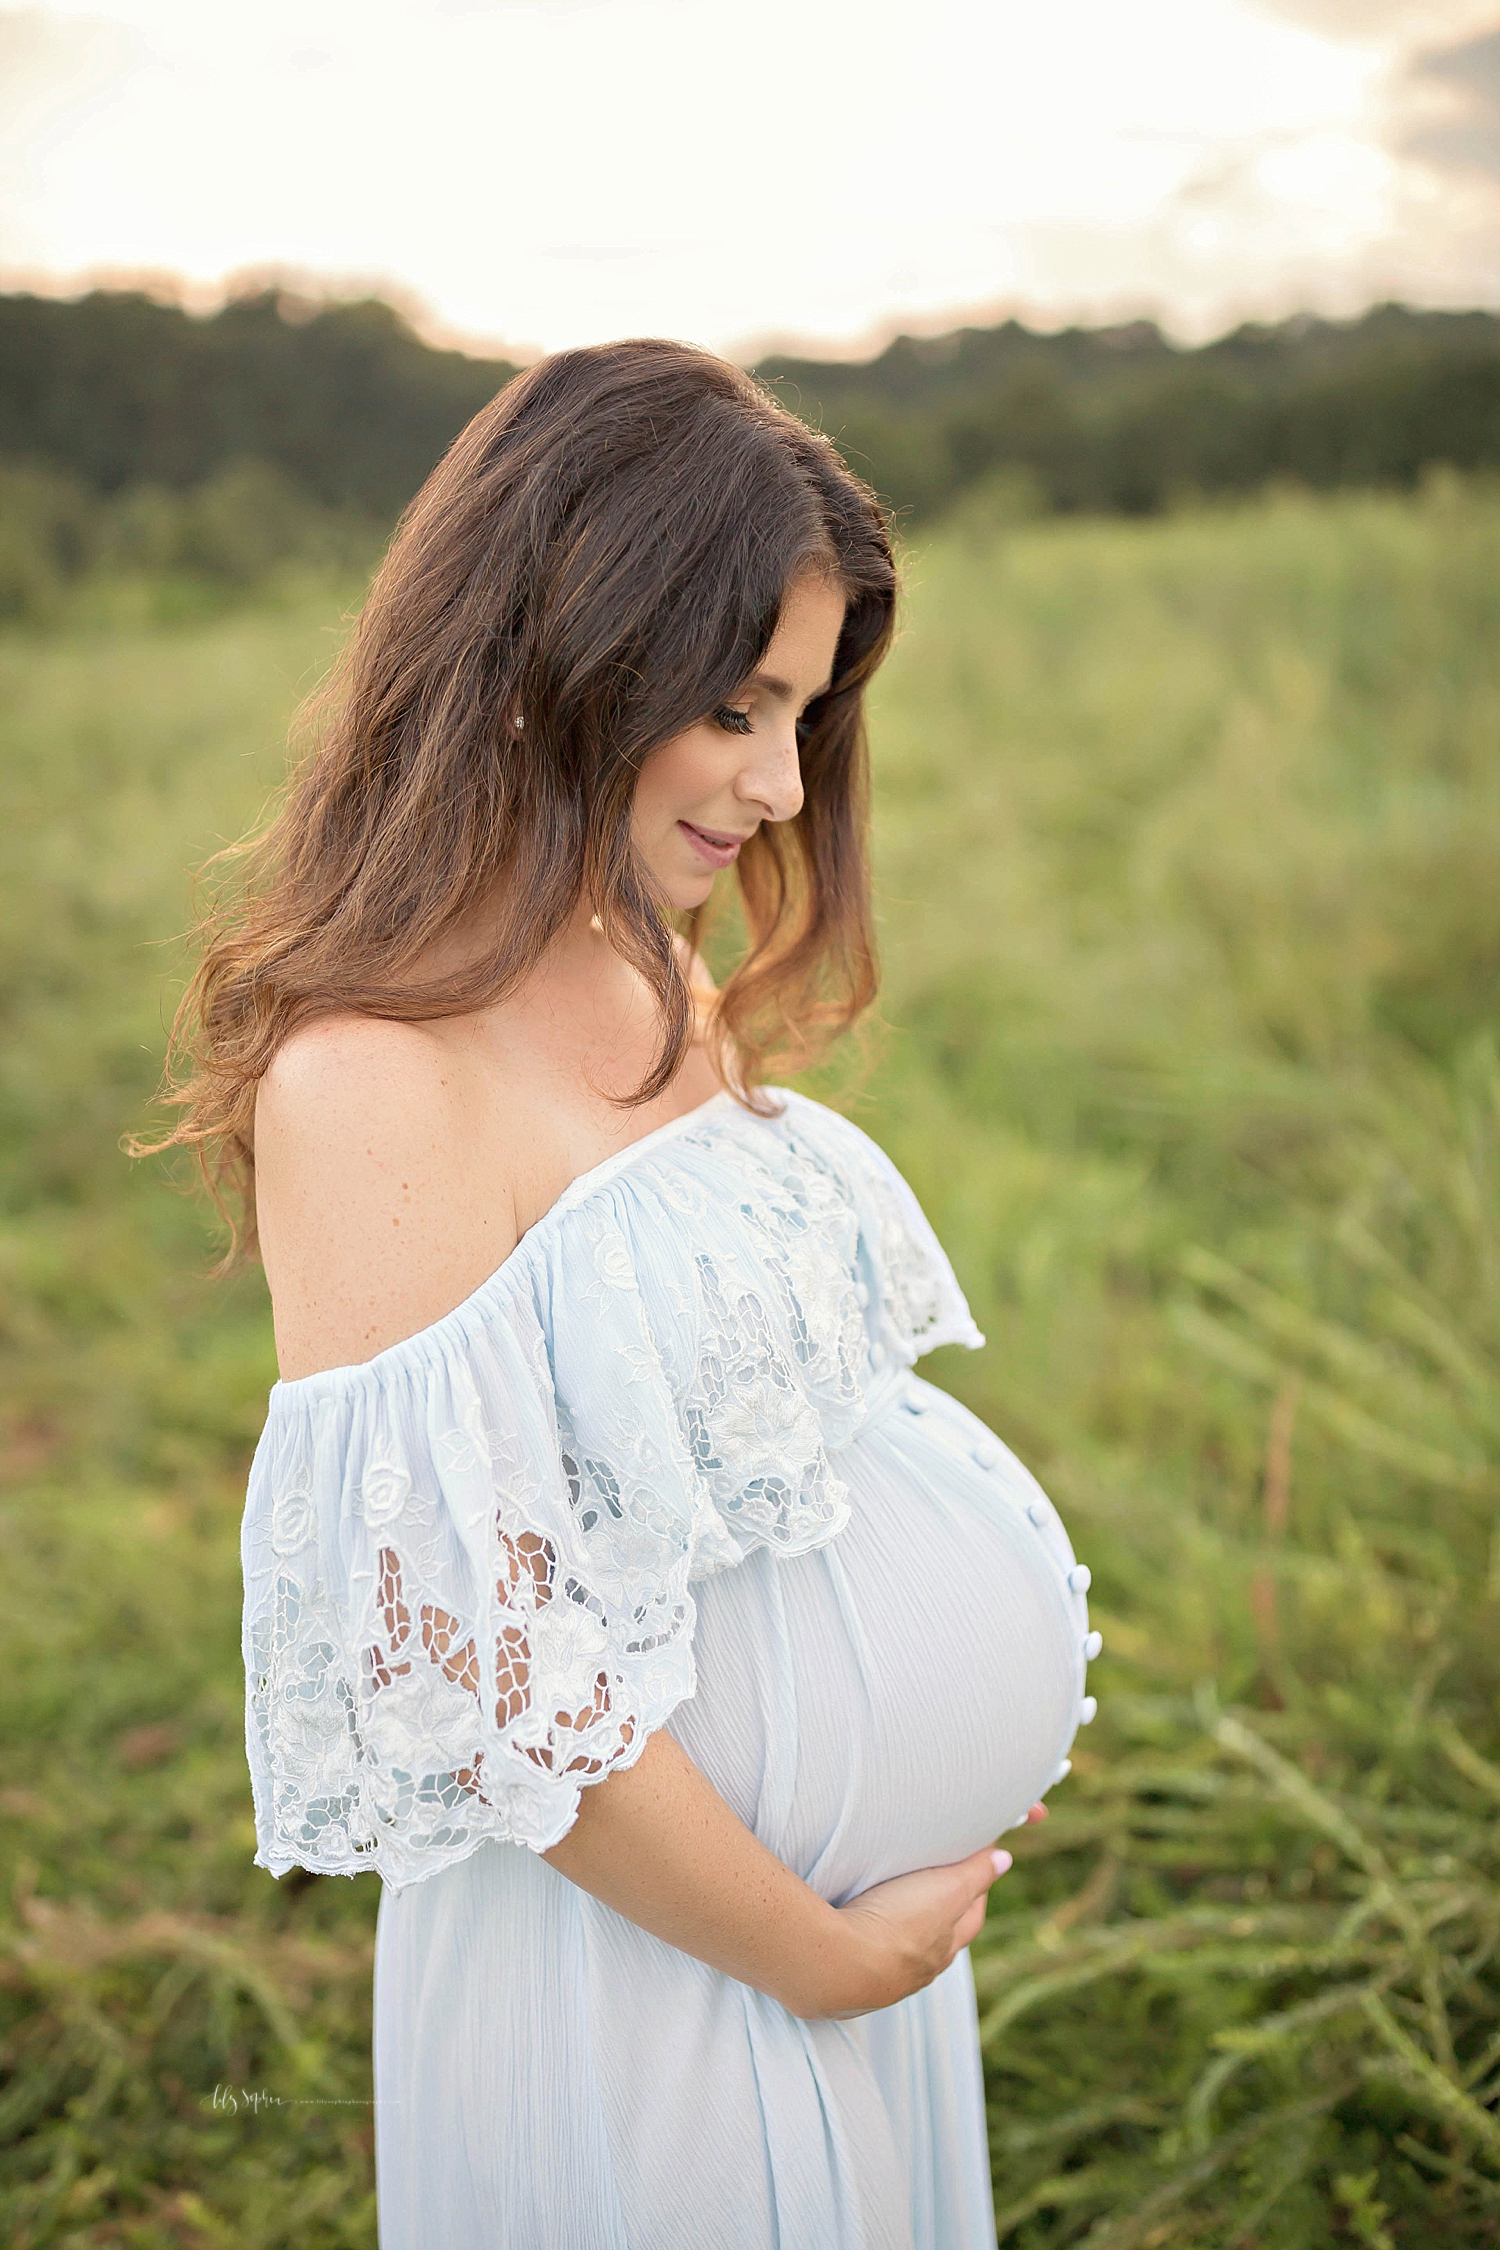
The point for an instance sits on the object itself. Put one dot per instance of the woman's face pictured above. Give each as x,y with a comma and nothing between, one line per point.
702,794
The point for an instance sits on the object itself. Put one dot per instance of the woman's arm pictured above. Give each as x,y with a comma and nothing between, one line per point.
658,1844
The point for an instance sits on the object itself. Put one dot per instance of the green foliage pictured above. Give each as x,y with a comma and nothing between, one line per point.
342,399
67,552
350,410
47,539
1119,420
1186,837
143,1961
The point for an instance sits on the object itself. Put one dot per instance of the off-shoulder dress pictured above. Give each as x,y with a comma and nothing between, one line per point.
668,1466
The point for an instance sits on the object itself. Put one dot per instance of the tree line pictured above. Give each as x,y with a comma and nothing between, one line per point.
1121,421
134,435
138,440
344,401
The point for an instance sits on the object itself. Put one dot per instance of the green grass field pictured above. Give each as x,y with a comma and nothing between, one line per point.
1188,835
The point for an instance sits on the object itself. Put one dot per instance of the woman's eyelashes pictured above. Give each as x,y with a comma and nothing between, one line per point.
740,722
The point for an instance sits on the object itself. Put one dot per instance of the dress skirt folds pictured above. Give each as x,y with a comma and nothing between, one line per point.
668,1466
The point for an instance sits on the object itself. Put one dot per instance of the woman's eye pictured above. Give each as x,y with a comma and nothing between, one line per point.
732,721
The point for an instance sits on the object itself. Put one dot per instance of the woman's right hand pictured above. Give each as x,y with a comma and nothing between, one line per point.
898,1935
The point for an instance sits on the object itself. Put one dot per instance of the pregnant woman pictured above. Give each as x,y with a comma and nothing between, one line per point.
613,1588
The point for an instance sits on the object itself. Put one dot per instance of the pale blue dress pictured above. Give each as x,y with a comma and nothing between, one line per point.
668,1466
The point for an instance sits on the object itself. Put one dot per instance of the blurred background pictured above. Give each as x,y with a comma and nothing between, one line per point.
1171,336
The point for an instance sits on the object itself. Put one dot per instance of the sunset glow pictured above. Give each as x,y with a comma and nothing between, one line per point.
539,172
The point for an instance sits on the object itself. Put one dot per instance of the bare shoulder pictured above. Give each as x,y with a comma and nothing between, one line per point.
377,1209
349,1098
339,1059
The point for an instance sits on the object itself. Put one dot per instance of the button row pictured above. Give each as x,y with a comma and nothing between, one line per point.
1080,1578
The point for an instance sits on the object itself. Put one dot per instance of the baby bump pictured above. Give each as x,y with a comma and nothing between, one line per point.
899,1697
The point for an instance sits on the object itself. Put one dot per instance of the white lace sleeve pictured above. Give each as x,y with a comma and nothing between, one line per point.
437,1650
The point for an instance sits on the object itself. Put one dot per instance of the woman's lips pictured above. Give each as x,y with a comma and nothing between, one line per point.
717,848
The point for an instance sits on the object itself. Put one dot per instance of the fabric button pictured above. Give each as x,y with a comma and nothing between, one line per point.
986,1456
1063,1770
1092,1646
1036,1511
1086,1711
861,1293
1080,1578
877,1355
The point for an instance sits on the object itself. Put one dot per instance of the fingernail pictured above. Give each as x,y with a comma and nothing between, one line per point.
1002,1861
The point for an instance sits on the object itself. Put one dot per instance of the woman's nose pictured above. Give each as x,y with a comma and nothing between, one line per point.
773,779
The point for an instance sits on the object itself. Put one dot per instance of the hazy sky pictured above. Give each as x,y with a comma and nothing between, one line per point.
543,172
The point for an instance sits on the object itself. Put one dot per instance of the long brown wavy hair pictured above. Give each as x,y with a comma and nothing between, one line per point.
603,552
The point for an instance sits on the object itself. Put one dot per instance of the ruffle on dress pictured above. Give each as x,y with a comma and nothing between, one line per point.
468,1562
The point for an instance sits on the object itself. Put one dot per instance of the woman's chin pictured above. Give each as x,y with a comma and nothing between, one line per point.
688,888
